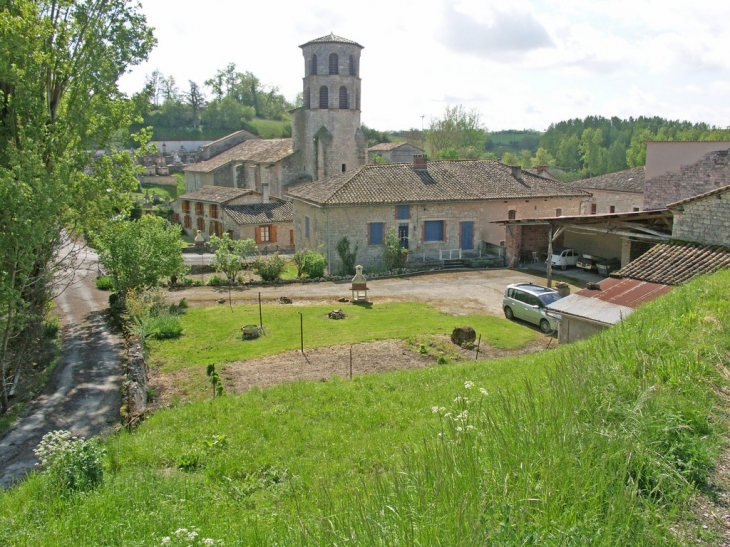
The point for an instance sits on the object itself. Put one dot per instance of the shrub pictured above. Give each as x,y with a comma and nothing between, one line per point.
74,464
216,281
347,257
50,327
270,267
310,263
394,255
104,283
163,326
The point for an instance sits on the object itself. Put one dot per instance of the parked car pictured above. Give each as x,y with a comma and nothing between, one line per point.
608,266
527,302
564,257
589,262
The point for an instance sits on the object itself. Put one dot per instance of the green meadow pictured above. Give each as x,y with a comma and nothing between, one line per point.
603,442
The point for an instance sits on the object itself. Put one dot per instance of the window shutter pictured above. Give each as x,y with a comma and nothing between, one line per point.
257,234
368,232
461,226
273,234
443,235
423,232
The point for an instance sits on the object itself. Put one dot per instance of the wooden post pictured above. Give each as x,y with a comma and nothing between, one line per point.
550,257
301,331
479,343
350,362
261,317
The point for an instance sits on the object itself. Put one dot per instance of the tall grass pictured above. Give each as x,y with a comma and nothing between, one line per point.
599,443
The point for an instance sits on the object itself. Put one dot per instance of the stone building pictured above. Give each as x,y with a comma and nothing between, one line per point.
242,213
620,192
326,135
433,206
395,152
679,170
704,218
326,130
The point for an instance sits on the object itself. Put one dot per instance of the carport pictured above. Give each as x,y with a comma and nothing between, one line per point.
614,235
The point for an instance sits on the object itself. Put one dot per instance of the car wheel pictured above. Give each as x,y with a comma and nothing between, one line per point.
545,326
508,312
563,266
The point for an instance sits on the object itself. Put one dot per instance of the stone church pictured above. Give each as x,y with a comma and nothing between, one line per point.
326,134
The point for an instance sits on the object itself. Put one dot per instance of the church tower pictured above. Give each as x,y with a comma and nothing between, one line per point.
326,129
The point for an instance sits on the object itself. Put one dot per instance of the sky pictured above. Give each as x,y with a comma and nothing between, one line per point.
522,64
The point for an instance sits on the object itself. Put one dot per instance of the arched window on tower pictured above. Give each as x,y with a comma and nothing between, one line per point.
334,64
323,97
352,66
343,97
313,68
307,99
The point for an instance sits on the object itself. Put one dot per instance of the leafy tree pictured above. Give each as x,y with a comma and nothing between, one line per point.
394,254
230,254
374,136
542,158
139,254
196,99
459,129
347,256
58,100
270,267
509,158
525,159
309,263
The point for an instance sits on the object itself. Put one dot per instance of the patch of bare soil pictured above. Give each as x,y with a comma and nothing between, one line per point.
314,365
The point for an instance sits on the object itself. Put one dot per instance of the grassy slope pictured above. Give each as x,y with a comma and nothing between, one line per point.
597,443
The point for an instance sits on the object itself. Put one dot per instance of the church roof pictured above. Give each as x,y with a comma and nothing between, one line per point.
332,38
628,180
255,150
442,181
261,213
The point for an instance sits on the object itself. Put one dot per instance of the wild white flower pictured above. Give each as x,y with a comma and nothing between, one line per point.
208,542
458,428
470,428
435,409
463,415
192,535
181,531
468,384
447,415
483,391
166,540
459,399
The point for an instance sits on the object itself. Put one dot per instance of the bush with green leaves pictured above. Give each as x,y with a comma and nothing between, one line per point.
105,283
348,256
216,281
310,263
270,267
152,316
394,255
73,463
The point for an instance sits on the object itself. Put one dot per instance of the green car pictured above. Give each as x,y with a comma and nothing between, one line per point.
527,302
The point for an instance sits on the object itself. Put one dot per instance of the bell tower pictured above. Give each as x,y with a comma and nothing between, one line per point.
326,129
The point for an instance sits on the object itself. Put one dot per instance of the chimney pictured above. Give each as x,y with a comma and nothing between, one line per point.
541,169
265,191
420,162
516,172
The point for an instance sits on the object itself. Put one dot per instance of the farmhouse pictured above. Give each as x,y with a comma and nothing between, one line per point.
619,192
394,152
435,207
241,213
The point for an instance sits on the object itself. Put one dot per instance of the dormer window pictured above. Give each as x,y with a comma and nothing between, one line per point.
334,64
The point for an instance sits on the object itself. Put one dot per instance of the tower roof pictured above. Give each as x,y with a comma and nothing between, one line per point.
332,38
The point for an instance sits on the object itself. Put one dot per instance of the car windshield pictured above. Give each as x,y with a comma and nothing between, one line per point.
549,297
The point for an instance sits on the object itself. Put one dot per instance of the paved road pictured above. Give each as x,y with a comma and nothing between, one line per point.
83,394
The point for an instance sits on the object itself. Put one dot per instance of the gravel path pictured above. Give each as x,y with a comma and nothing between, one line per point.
83,393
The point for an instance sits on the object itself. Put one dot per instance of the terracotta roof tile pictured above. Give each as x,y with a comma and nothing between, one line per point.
215,194
629,180
388,146
467,180
675,263
701,196
258,150
261,213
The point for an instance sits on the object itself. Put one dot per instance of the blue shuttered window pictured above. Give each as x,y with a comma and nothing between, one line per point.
433,230
375,233
403,212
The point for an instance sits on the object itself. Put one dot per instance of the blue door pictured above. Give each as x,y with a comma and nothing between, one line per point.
467,235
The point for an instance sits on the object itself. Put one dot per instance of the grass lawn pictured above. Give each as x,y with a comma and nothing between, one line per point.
269,129
161,190
599,443
212,334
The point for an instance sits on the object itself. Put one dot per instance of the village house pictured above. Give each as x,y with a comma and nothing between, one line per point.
394,152
435,207
619,192
241,213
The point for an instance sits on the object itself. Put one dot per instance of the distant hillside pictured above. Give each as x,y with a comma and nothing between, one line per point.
513,140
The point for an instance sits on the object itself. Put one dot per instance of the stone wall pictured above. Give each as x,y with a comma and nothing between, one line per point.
328,225
705,220
134,395
710,173
623,202
221,145
572,329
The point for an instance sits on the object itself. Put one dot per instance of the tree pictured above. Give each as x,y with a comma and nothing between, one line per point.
139,254
543,158
459,130
525,159
196,99
394,254
510,158
347,257
230,254
155,83
59,100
